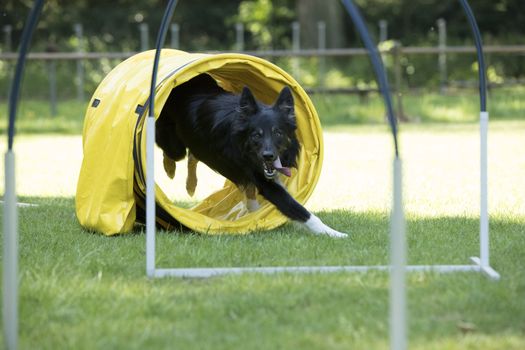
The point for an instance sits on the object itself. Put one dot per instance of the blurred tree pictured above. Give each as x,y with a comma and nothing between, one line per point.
310,12
268,22
209,24
113,26
413,22
205,24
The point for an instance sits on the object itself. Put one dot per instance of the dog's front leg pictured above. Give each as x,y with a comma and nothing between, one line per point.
251,198
169,166
315,225
278,196
191,180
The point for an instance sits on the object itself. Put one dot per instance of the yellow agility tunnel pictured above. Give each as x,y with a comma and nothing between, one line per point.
110,194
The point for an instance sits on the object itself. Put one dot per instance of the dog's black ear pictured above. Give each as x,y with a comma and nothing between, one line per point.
284,102
247,104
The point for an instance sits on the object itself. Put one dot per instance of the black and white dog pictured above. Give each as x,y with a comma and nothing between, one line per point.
244,140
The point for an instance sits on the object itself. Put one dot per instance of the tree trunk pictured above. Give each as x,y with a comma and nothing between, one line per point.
310,12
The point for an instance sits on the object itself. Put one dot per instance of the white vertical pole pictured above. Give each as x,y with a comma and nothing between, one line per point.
144,36
52,70
175,36
8,29
296,47
442,58
484,215
239,37
10,276
150,197
398,333
79,32
383,30
321,46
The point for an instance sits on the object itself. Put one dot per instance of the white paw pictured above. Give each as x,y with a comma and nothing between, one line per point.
333,233
315,225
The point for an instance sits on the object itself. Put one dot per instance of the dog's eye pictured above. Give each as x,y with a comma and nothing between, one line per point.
256,136
278,133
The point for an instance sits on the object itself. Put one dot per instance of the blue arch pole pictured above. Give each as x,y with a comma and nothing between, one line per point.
483,260
10,274
377,65
150,142
398,329
14,94
479,51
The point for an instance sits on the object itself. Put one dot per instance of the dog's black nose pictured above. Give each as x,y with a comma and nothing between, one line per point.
268,156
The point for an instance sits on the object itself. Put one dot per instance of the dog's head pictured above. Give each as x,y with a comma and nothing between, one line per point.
267,133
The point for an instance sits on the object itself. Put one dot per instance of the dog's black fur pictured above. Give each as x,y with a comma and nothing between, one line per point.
235,135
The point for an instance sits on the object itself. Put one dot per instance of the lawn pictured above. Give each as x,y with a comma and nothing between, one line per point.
419,106
81,290
422,107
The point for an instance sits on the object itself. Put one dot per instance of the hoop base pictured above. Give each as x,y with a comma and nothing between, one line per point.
198,272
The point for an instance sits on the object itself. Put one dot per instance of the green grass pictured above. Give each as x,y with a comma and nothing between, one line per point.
85,291
459,107
80,290
35,117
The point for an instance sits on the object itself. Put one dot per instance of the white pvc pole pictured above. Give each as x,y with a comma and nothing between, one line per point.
398,333
205,272
10,276
484,215
150,197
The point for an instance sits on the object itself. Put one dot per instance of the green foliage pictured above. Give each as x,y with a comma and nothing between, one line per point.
256,16
414,22
115,24
35,117
268,22
210,25
205,25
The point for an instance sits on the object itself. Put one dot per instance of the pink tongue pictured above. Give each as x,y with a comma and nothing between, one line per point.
279,167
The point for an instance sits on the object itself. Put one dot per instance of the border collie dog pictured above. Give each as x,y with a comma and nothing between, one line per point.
241,138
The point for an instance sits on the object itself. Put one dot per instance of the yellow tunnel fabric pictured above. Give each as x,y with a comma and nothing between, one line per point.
110,190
